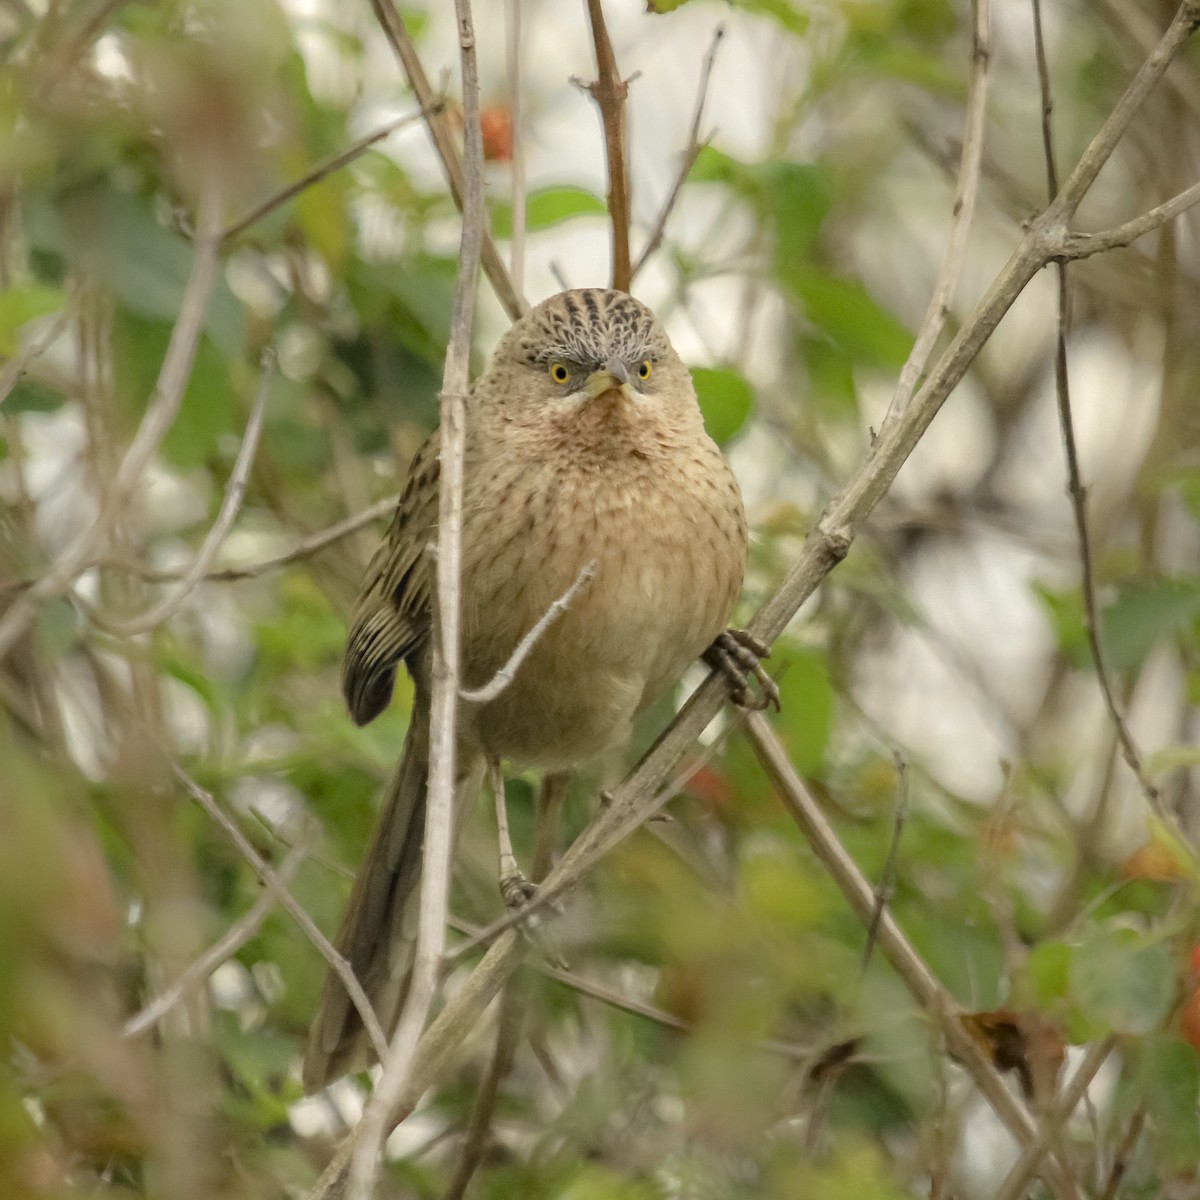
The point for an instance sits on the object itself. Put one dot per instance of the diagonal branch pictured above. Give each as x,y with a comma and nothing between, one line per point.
328,167
963,209
397,35
230,507
223,949
295,910
925,987
1016,1182
690,154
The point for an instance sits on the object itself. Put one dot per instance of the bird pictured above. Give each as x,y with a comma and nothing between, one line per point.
587,471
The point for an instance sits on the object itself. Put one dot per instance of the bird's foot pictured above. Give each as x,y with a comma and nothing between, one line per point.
737,654
515,889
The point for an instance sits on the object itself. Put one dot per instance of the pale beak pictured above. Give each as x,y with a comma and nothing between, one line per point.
613,376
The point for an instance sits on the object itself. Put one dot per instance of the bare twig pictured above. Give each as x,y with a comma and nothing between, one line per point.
160,414
513,1007
398,1065
1016,1182
690,154
233,939
16,366
328,167
1084,245
302,549
396,33
1075,488
887,878
925,987
507,673
519,213
271,878
963,209
609,92
231,505
1123,1154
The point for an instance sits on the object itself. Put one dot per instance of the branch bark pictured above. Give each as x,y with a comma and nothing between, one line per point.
609,92
399,1064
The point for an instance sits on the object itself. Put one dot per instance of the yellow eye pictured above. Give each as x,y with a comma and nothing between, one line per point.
559,373
645,370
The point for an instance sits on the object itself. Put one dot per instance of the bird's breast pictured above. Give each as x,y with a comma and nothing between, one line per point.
664,537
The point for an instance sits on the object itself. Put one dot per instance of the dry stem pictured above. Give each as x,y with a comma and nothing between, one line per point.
396,33
231,505
609,92
963,209
690,154
399,1064
271,878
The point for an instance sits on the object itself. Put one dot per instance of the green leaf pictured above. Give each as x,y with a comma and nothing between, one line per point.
806,700
20,305
207,409
783,12
797,195
1144,613
848,316
1123,982
1169,1075
143,264
1047,972
547,207
726,400
1066,617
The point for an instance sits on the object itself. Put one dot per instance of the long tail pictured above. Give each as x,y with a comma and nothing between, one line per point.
379,931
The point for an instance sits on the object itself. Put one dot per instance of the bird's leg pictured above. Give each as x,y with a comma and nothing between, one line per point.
514,887
736,653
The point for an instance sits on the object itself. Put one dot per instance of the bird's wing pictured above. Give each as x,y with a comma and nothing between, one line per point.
392,618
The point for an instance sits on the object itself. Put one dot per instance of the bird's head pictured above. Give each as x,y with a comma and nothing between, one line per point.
590,349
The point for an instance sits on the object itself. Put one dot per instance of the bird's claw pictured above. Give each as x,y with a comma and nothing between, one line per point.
737,654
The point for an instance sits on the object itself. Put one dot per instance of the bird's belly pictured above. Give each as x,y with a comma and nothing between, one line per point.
664,581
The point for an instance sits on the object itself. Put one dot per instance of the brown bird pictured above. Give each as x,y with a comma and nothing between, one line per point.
585,448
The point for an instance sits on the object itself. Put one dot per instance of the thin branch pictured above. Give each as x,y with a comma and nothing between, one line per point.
307,546
513,1006
1123,1154
161,411
1075,488
328,167
517,197
1016,1182
887,878
507,673
690,154
304,548
398,1065
16,366
925,987
231,505
396,33
965,191
609,92
1084,245
233,939
293,907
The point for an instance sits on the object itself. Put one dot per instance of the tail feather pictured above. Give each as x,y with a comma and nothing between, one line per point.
379,930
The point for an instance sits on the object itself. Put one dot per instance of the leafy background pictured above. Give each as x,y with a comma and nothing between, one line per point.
795,267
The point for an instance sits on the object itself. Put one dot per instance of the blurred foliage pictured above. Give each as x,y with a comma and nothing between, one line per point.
1028,876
